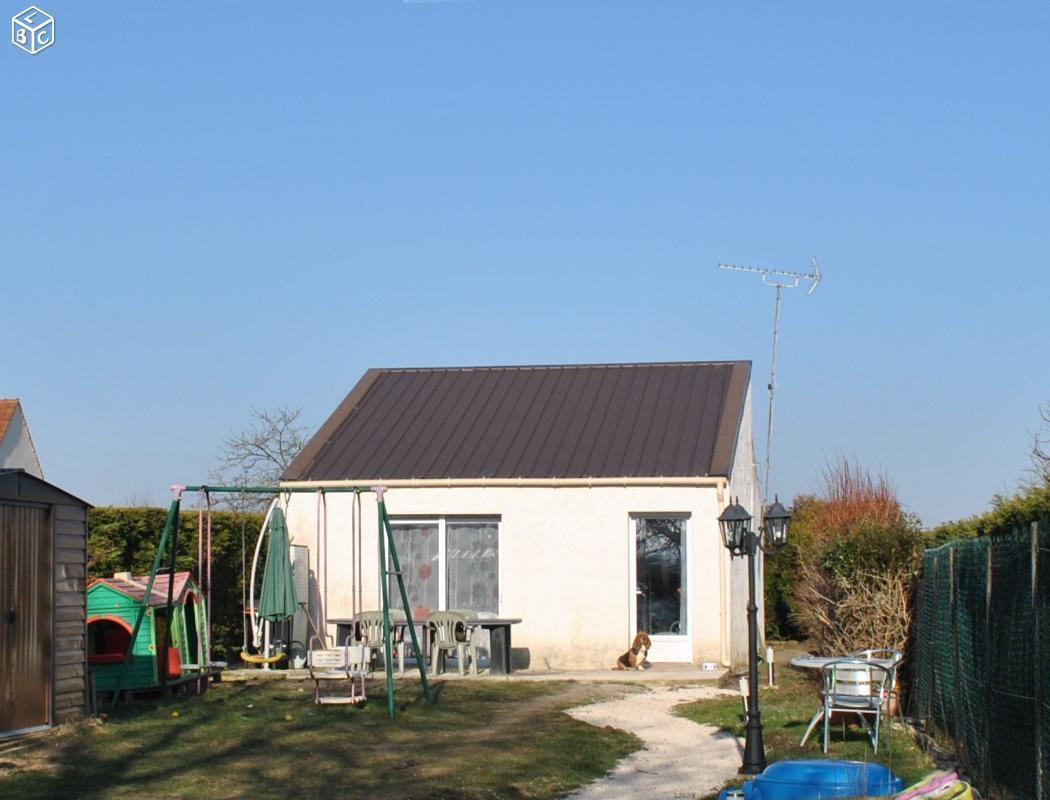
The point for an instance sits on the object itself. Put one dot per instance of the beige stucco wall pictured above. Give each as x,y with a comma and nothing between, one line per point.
564,561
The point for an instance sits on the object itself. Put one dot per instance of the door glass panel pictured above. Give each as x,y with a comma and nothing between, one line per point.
417,553
661,589
472,558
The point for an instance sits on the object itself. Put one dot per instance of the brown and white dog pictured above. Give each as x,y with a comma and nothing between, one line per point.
635,657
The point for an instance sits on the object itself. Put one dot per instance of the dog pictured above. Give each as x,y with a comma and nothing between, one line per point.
635,657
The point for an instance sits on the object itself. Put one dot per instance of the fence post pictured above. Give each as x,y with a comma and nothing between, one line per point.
1037,665
933,661
953,566
987,744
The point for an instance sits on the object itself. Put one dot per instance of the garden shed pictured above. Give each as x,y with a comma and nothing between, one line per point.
43,568
113,606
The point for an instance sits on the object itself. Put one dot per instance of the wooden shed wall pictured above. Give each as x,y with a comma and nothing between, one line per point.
70,651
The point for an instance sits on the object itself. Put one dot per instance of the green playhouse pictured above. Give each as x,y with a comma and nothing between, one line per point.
113,604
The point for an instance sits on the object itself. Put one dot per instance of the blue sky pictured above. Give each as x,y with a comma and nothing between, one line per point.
209,207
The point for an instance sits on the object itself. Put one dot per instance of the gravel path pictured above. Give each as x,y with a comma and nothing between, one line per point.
681,759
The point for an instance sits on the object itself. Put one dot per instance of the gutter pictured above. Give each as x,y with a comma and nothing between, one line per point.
717,482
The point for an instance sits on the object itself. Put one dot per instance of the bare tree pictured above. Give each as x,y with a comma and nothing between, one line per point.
259,455
1041,448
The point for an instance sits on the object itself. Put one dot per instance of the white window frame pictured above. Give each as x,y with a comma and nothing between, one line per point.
675,647
441,521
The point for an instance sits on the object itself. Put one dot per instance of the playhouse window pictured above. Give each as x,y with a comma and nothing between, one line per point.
107,641
448,563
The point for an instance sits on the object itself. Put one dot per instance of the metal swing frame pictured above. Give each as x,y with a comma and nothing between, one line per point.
387,549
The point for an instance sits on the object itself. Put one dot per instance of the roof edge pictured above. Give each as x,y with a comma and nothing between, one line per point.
335,420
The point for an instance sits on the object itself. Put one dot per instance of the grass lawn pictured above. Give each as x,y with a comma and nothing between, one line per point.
481,740
787,709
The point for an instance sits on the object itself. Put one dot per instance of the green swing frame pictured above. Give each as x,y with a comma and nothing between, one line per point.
169,542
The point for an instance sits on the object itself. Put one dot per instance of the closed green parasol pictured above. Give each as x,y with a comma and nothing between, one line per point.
277,602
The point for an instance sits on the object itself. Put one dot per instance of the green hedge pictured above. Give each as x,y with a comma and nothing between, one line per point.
1008,514
125,540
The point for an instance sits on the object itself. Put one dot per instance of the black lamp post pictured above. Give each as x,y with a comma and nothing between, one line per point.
740,540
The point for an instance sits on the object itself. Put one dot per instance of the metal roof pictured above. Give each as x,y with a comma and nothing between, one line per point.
580,421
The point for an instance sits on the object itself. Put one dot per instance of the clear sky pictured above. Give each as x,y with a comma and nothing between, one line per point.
213,206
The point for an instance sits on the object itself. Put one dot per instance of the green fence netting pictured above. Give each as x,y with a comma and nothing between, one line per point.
981,670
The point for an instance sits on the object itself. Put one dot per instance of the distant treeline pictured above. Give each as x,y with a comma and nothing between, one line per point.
125,540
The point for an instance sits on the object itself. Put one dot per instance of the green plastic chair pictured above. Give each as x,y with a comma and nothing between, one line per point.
372,634
449,630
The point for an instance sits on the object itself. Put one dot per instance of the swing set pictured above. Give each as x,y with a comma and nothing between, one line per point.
268,654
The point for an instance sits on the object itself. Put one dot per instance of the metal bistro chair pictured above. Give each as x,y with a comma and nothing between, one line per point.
852,686
896,657
450,631
371,634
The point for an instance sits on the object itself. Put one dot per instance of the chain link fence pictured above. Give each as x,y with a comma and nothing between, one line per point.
981,669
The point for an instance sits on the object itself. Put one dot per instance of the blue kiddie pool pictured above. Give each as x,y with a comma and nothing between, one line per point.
817,780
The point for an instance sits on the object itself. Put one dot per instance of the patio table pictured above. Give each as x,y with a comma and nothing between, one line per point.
818,662
499,641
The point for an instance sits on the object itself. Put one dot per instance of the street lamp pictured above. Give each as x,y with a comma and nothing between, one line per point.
740,540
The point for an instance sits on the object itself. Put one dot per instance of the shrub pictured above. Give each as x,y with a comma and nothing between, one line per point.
854,553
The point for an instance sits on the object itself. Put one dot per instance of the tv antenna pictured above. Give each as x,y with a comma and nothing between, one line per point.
778,279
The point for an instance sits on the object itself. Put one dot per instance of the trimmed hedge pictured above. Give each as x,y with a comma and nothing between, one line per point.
125,540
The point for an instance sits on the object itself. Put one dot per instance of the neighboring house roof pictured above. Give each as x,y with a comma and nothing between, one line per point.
17,450
7,411
135,587
587,421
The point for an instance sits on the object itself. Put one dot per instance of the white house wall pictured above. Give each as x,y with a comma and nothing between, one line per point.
563,561
743,484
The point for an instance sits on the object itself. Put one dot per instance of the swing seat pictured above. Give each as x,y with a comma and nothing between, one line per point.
253,658
341,664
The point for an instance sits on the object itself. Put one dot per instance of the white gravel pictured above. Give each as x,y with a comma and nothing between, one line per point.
681,759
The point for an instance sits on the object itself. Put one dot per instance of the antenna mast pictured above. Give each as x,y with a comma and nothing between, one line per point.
778,279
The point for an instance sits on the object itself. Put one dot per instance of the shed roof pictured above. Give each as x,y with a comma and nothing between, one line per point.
577,421
135,588
17,484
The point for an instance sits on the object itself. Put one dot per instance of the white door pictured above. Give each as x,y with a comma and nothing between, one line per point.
659,581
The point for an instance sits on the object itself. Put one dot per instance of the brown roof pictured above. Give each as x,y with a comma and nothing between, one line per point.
7,411
136,587
589,421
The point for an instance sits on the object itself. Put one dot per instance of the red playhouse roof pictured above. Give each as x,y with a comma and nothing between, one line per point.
135,586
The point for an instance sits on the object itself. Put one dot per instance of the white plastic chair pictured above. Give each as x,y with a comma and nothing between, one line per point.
852,686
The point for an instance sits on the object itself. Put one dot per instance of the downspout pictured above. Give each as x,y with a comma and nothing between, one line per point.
725,564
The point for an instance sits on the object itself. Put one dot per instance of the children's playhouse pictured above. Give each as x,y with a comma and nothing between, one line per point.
112,607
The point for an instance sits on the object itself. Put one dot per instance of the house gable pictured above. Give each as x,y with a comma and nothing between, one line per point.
16,443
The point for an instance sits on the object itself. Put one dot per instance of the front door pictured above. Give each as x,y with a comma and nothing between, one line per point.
659,578
25,624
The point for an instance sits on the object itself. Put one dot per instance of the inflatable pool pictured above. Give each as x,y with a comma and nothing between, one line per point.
818,780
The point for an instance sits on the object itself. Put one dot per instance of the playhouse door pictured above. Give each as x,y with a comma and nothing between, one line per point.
25,624
660,585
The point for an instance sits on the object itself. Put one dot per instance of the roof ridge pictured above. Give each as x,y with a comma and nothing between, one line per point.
598,365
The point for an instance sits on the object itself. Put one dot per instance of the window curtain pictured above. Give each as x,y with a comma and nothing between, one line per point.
472,557
417,553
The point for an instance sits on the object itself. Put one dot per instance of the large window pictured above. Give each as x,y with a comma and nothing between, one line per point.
448,563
